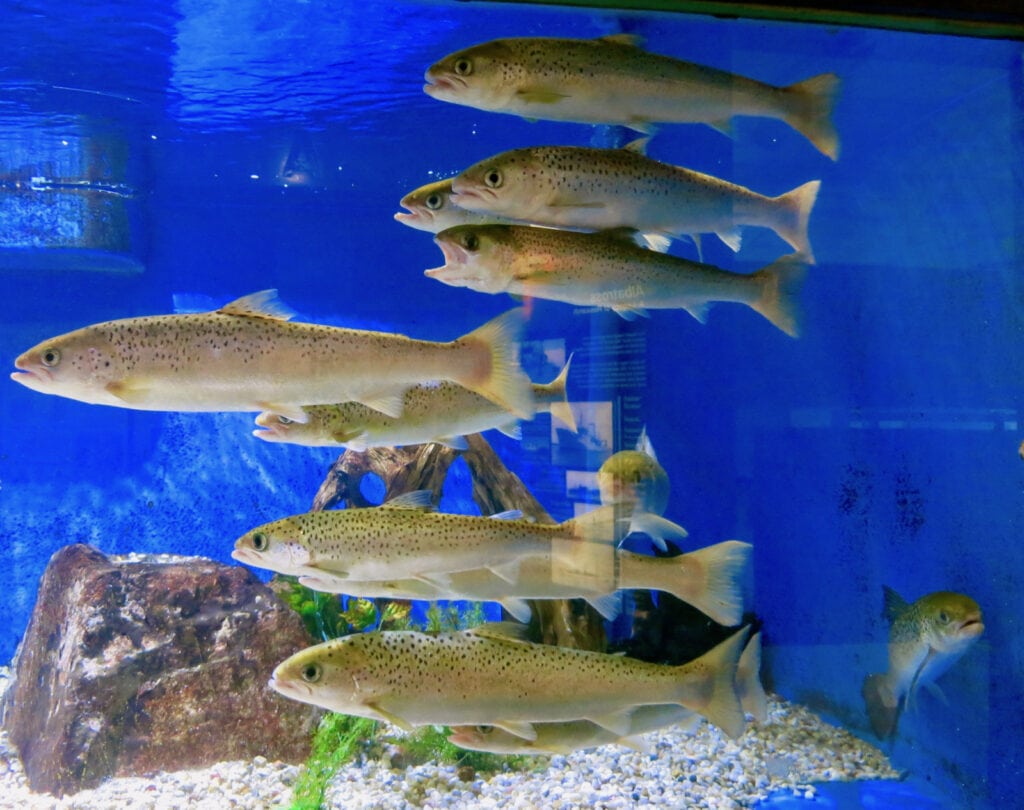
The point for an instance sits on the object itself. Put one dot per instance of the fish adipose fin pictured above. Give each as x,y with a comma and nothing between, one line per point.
793,214
717,670
504,381
779,301
262,304
882,706
810,112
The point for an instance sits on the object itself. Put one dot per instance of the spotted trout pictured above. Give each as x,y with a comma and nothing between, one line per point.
430,208
591,189
609,270
491,675
926,638
435,412
248,356
404,539
611,80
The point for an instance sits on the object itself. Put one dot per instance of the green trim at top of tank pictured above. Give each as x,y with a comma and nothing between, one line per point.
999,19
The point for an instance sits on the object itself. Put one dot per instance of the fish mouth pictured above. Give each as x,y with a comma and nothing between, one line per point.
440,83
972,626
270,428
414,219
245,555
31,375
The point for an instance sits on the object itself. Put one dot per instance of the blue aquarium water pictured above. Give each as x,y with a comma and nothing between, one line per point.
172,157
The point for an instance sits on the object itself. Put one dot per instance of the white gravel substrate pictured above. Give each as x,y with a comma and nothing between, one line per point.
700,770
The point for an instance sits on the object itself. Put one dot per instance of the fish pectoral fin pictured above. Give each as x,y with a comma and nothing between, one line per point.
937,692
617,722
295,413
519,608
525,731
131,390
333,569
540,95
384,714
348,436
388,404
507,571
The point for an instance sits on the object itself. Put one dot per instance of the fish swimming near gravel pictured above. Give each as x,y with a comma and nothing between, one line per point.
433,412
591,189
577,735
611,80
491,675
404,539
925,639
248,356
609,270
710,579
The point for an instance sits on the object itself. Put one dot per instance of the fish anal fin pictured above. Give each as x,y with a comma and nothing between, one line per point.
511,429
262,304
724,126
639,145
699,311
525,731
617,722
733,238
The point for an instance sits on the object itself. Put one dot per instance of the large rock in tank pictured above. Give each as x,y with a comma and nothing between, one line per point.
129,667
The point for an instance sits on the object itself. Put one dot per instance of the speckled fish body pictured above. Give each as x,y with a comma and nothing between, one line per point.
434,412
247,356
926,638
490,675
710,579
586,188
430,208
576,735
404,540
611,80
609,270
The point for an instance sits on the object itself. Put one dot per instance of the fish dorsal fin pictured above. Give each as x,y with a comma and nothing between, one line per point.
643,444
893,605
422,499
391,405
507,632
626,234
639,146
262,304
508,514
632,40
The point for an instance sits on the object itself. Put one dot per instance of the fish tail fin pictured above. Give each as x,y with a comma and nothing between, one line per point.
500,378
794,209
748,680
718,702
710,579
779,301
553,395
811,112
882,705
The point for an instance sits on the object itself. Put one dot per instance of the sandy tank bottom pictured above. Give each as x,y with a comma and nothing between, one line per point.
794,749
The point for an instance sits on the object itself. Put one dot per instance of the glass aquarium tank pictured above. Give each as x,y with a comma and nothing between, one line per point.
508,406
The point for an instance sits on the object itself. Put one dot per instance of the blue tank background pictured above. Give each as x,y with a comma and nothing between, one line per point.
879,448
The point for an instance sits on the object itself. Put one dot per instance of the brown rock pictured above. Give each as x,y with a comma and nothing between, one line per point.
133,667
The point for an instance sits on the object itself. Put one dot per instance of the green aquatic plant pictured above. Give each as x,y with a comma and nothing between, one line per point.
337,741
325,616
430,744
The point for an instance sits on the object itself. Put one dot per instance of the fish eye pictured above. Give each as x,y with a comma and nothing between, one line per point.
463,67
485,730
284,420
471,241
260,541
434,201
50,357
311,673
493,178
943,617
